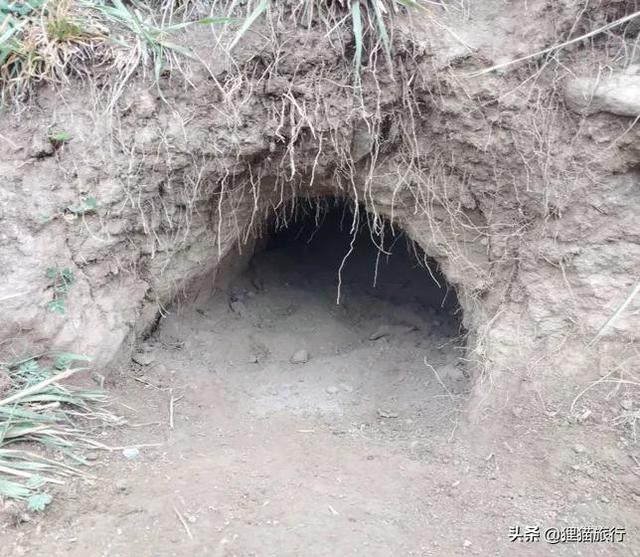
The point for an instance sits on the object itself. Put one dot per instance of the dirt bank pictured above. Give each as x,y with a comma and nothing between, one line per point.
527,207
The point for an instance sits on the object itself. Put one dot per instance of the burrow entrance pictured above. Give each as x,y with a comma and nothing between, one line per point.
328,318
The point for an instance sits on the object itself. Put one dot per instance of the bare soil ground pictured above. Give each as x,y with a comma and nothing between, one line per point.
361,450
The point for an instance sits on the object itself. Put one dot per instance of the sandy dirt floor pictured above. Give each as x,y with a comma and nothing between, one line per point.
302,427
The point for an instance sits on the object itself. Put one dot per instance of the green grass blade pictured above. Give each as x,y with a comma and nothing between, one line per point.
42,412
382,31
14,490
38,387
19,413
203,21
249,21
356,16
408,3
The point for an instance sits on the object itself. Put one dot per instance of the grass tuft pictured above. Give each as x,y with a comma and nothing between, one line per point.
45,426
45,40
48,40
369,22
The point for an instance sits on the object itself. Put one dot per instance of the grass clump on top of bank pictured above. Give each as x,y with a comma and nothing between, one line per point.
46,40
46,425
49,40
367,19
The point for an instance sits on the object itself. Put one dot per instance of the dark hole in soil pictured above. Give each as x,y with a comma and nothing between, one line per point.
318,250
276,338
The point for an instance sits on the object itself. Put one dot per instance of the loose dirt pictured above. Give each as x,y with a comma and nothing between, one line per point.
357,446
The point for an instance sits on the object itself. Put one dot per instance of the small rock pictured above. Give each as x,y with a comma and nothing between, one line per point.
466,543
386,414
131,453
627,404
300,357
253,359
91,456
238,307
579,449
604,499
121,485
143,358
332,390
41,147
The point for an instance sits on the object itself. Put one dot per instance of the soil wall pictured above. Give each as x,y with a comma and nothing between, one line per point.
523,183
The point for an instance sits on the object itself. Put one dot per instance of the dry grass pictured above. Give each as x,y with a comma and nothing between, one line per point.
47,41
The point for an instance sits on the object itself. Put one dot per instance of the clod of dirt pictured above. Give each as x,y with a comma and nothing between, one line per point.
13,513
238,307
144,358
579,449
131,453
627,404
300,357
41,147
332,390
